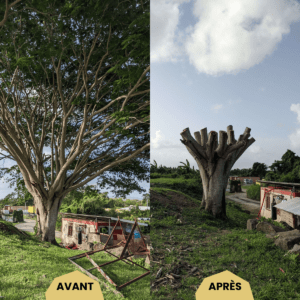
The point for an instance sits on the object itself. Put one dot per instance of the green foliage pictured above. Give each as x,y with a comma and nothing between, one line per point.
235,183
128,55
162,171
146,199
272,176
241,172
18,216
253,192
289,177
259,170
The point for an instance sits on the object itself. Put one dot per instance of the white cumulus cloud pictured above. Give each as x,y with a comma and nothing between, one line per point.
296,108
238,34
229,36
155,141
164,19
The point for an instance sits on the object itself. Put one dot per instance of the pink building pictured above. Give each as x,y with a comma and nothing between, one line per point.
281,202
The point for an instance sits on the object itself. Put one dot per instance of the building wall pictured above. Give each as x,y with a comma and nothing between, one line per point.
281,214
89,234
73,238
18,207
285,217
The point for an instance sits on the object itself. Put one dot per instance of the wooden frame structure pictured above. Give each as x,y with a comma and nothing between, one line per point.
130,248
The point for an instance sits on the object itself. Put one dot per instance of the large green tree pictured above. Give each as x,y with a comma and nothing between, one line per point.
74,81
259,169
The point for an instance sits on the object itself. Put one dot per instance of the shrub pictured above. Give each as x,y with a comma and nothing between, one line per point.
253,191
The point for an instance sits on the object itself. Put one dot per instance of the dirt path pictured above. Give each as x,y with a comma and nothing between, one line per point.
29,224
248,204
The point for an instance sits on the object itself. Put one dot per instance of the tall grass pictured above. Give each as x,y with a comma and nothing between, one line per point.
253,192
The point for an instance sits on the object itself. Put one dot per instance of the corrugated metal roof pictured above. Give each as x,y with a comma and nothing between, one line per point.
99,218
289,184
291,206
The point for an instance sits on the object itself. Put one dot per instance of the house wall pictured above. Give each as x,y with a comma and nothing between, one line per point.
73,238
18,207
285,217
281,214
89,234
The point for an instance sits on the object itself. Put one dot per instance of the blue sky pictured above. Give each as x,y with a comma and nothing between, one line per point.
219,63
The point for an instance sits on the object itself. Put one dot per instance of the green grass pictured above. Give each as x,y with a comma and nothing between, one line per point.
191,187
246,187
165,191
253,192
167,180
215,246
29,266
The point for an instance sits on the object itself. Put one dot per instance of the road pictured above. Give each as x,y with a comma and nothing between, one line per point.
29,224
241,198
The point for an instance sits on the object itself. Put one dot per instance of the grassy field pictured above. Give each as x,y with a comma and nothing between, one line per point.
201,246
246,187
29,266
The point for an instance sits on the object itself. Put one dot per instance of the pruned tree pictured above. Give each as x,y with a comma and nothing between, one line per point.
77,104
215,160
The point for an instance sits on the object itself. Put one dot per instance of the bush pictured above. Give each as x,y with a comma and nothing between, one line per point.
145,229
168,175
18,216
253,192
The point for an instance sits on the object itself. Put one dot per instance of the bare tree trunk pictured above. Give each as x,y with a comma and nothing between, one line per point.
215,161
46,219
215,191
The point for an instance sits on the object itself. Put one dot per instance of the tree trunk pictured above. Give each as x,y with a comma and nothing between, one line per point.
46,219
215,160
214,202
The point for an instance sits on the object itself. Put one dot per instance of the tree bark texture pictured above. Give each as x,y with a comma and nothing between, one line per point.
215,160
46,218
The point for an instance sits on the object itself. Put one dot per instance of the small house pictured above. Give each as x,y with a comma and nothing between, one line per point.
7,207
280,201
92,229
